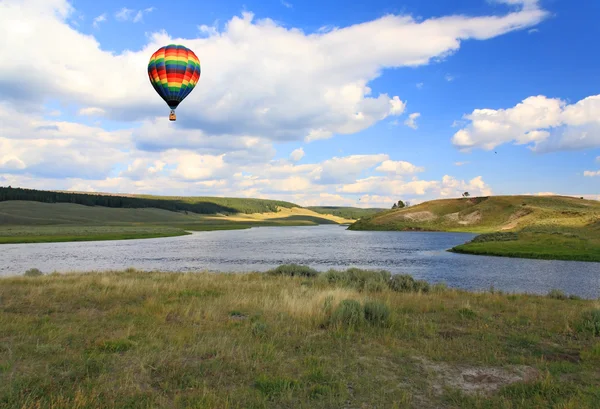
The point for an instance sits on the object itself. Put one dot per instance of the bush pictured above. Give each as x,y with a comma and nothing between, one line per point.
294,270
377,313
557,295
591,322
362,280
405,283
348,313
259,329
33,272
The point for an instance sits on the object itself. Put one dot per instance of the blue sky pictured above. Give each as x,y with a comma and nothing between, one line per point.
504,96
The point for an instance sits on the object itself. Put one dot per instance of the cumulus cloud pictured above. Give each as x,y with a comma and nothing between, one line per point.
548,124
398,167
273,96
411,122
461,163
591,173
297,154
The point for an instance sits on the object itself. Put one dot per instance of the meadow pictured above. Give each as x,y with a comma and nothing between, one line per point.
290,338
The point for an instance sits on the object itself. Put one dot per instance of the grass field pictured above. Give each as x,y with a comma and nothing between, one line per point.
354,213
31,222
553,227
355,339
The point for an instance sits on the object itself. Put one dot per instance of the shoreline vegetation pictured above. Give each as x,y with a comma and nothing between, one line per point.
289,338
537,227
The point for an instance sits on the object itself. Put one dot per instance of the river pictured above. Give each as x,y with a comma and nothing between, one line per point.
421,254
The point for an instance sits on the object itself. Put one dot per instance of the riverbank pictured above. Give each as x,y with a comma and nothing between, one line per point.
36,222
354,339
552,227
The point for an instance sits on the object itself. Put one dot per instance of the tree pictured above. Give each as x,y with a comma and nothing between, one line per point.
395,206
466,194
401,204
407,204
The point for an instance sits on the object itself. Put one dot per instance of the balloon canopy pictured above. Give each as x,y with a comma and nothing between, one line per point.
174,71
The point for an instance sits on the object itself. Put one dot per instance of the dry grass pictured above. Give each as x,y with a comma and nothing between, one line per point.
171,340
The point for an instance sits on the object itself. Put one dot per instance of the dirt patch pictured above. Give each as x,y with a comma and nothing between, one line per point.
514,218
419,216
470,218
453,217
475,380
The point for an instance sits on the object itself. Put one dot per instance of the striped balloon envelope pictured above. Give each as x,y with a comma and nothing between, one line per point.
174,71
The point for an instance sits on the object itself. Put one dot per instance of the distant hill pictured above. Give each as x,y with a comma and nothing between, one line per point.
201,205
486,214
346,212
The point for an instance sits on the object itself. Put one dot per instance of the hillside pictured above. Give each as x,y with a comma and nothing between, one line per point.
31,221
202,205
545,227
486,214
354,213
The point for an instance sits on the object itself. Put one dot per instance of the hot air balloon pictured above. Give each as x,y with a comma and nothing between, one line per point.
174,71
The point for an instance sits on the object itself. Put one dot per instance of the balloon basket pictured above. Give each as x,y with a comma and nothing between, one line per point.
172,116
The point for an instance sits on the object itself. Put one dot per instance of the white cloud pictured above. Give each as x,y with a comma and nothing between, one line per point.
100,19
533,30
591,173
275,98
449,78
124,14
461,163
598,159
398,168
420,85
136,16
297,154
286,4
547,123
91,111
411,122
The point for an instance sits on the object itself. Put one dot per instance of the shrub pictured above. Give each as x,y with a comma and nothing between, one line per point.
359,279
377,313
348,313
405,283
590,322
294,270
33,272
439,287
259,329
557,295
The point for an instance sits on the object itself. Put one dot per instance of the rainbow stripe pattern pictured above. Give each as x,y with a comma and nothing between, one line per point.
174,71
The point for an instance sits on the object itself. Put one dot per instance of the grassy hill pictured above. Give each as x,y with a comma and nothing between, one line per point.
32,221
354,213
549,227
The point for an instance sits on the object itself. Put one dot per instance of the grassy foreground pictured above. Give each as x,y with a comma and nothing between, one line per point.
354,339
543,227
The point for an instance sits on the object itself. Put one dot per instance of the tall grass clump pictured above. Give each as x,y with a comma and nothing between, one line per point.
293,270
377,313
33,272
557,294
590,322
359,279
406,283
349,313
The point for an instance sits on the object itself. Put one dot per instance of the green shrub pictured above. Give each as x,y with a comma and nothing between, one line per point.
557,294
359,279
348,313
439,287
590,322
467,312
259,329
377,313
33,272
574,297
294,270
406,283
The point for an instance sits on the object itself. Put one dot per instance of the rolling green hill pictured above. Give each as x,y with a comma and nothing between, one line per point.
354,213
202,205
549,227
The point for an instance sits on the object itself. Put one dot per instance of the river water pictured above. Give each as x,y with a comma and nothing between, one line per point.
421,254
